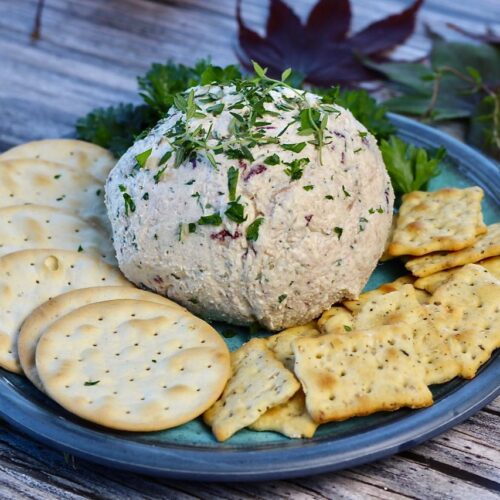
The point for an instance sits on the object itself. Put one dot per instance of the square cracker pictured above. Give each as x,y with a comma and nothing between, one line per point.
337,319
258,382
448,219
290,419
281,343
486,246
344,376
475,293
355,305
432,282
432,346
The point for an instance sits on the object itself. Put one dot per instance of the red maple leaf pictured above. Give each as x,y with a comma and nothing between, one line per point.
322,49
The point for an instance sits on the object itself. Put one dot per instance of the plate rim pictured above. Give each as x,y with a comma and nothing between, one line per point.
274,461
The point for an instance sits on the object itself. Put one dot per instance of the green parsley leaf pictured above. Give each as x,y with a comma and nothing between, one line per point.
236,212
410,167
253,229
189,183
216,109
362,223
347,328
210,220
346,193
58,176
232,182
165,157
241,153
338,231
90,382
296,168
310,187
192,227
129,202
142,158
296,148
282,297
80,248
329,197
274,159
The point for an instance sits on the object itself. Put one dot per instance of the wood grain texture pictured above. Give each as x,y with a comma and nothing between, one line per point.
89,54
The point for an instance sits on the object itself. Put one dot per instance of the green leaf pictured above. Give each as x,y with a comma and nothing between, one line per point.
338,231
142,158
210,220
296,148
295,168
259,70
274,159
409,167
253,229
286,74
232,182
216,109
236,212
444,109
90,382
129,202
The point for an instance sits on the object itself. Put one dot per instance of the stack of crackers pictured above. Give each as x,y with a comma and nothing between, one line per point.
110,353
382,351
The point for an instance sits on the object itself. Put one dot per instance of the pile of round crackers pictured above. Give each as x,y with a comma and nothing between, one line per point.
382,351
132,360
104,350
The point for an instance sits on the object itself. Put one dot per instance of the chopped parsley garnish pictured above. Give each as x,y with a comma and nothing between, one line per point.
308,188
98,192
296,168
253,229
282,297
358,150
210,220
145,196
362,223
232,182
236,212
347,328
329,197
90,382
58,176
129,202
192,227
80,248
362,134
338,231
274,159
159,174
380,210
165,157
142,158
346,193
241,153
189,183
216,109
314,122
296,148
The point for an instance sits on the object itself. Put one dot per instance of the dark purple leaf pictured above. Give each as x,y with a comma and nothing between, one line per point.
322,49
385,35
330,20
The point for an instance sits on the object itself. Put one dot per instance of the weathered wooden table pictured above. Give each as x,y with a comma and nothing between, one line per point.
89,54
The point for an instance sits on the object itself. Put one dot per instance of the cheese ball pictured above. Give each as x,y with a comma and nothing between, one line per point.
252,202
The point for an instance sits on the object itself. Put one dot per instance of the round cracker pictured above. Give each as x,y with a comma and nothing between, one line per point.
43,316
78,155
133,365
31,277
24,227
52,184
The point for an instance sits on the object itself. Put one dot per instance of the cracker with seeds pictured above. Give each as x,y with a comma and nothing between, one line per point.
448,219
133,365
337,319
281,343
54,185
24,227
31,277
475,293
486,246
290,419
344,376
43,316
432,346
432,282
258,382
72,153
355,305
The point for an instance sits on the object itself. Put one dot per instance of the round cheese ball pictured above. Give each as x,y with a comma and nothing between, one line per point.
252,202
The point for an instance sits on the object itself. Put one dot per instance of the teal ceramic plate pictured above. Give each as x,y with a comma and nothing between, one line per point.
190,451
